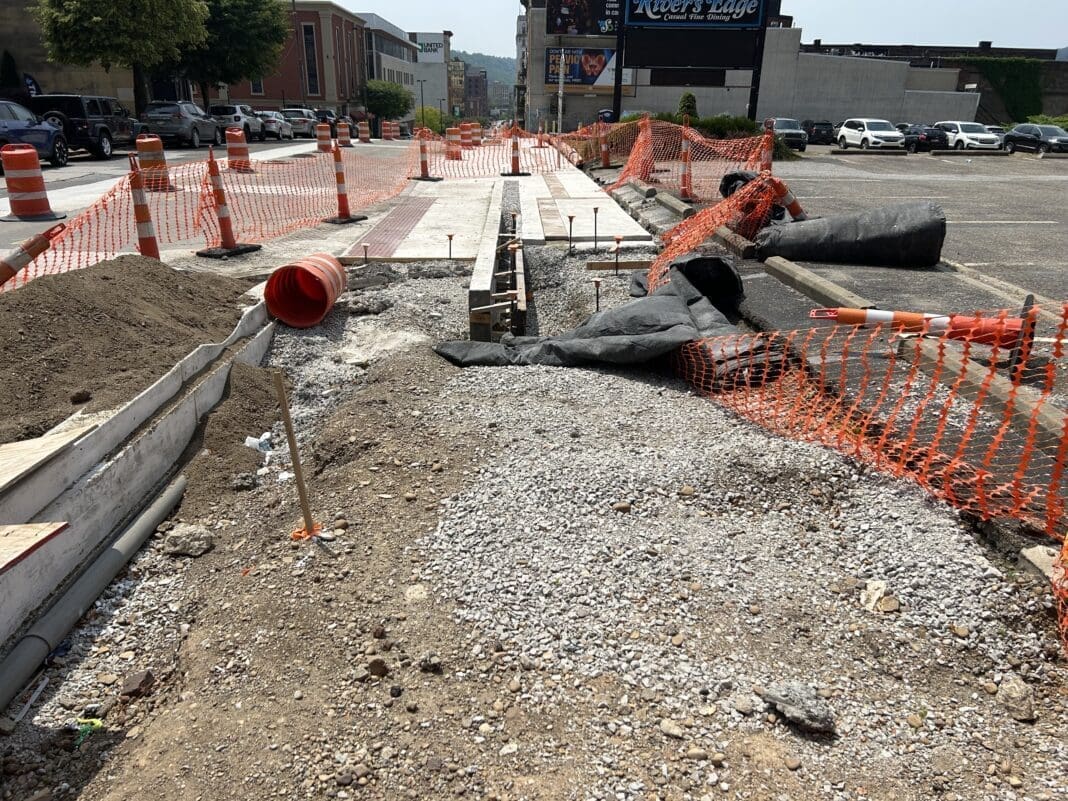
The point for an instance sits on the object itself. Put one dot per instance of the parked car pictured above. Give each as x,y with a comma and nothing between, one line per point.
303,121
328,116
181,121
968,135
239,116
864,132
275,124
789,131
20,126
920,138
904,126
88,122
998,131
819,132
1037,138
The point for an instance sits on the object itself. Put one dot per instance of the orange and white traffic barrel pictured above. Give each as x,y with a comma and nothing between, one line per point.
465,135
153,163
25,185
784,197
365,132
452,145
344,134
342,190
1001,331
147,243
322,137
606,157
767,150
476,134
23,254
424,163
515,152
237,156
387,130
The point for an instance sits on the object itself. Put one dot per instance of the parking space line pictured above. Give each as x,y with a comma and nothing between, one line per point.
1005,222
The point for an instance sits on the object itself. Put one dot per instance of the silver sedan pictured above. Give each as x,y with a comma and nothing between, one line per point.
275,124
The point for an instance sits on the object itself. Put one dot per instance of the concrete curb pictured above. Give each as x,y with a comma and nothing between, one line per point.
642,188
968,153
101,499
684,210
813,286
735,243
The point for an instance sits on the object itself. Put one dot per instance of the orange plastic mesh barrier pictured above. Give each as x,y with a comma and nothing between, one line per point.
745,212
656,157
586,141
275,198
494,157
982,426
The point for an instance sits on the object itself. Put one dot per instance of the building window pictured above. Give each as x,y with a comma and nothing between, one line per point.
256,86
311,59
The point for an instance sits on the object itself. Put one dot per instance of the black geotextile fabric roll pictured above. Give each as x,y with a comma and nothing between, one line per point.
901,235
637,332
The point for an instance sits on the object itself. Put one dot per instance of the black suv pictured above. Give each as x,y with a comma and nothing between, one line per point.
89,122
919,138
1039,138
328,116
820,132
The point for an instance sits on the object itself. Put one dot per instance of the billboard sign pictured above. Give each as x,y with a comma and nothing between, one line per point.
582,17
695,13
583,66
431,47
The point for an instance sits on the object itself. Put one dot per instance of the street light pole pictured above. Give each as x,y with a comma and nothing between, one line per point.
422,103
560,91
441,114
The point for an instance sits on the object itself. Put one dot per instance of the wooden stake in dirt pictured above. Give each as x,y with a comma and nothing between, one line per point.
310,528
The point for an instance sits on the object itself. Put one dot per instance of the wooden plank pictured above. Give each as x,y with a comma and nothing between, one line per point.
632,264
18,542
19,459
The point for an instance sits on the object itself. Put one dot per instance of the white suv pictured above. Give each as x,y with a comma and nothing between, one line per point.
864,133
969,135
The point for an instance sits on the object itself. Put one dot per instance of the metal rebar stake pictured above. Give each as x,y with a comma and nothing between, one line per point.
571,234
594,229
597,290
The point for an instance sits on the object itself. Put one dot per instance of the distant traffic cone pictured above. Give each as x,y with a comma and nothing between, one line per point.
237,155
154,164
515,172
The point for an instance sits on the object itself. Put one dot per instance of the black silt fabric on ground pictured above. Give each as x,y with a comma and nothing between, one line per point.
638,332
901,235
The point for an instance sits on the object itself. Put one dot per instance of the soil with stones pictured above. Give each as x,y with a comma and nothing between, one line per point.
92,339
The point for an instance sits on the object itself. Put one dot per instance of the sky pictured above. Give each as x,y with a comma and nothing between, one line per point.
488,26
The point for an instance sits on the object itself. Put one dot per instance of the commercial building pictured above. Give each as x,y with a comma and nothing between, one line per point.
434,51
715,59
476,92
390,53
322,64
457,84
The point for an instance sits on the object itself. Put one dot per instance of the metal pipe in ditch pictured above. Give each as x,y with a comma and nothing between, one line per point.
48,632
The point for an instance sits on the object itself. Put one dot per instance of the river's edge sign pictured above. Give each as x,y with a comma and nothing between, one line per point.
696,13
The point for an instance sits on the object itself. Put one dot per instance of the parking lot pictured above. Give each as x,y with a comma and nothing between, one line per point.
1007,216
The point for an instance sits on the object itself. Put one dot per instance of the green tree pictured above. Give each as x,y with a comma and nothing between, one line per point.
137,35
688,105
9,72
388,101
428,117
244,40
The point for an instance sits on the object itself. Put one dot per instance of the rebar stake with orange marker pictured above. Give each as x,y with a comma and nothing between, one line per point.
450,236
311,528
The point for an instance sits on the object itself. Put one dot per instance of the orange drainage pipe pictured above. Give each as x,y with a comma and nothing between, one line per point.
1001,331
147,243
344,217
322,137
516,172
25,185
154,164
237,157
230,246
301,294
23,254
344,134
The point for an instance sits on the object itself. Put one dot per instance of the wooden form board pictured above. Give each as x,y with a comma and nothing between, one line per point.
19,459
624,265
18,542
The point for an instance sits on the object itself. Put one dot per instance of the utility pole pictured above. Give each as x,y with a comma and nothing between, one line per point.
441,114
560,90
422,103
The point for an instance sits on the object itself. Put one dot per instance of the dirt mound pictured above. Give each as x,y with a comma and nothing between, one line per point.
94,338
220,455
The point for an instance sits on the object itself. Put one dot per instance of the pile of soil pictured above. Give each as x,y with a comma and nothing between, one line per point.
220,460
95,338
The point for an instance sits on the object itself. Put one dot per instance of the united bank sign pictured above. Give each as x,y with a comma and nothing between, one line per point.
695,13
